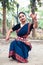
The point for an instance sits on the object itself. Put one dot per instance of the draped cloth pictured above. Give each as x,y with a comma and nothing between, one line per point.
20,47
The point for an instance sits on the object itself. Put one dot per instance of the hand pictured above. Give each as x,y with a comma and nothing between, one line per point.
7,38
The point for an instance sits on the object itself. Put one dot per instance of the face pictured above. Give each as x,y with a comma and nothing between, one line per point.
22,18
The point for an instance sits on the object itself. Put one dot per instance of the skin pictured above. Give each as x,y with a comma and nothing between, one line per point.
22,18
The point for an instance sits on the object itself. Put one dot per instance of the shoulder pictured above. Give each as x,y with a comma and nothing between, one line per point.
16,25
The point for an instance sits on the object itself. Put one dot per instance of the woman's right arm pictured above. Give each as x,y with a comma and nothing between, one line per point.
16,27
8,34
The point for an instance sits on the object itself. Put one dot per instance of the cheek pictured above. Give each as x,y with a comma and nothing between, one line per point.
20,19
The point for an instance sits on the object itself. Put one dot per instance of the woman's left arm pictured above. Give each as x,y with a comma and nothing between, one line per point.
35,25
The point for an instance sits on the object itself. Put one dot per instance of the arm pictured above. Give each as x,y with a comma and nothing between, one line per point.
35,24
8,34
16,27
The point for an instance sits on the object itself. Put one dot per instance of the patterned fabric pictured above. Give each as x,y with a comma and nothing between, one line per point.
20,47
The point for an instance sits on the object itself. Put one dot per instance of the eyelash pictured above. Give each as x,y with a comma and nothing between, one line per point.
22,16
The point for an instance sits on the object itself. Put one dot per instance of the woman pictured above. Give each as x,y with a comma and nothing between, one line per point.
20,47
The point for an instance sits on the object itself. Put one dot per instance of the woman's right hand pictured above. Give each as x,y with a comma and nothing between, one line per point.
7,38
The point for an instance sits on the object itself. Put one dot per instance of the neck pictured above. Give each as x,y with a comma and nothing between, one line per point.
23,22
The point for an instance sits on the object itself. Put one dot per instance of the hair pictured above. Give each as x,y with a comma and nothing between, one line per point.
22,13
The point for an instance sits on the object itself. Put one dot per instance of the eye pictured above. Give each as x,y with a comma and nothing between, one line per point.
22,15
19,16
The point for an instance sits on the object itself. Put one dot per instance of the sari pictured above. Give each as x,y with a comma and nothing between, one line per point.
20,47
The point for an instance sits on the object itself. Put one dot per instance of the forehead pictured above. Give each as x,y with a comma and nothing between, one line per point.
21,14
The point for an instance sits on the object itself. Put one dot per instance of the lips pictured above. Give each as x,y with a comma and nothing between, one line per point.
22,19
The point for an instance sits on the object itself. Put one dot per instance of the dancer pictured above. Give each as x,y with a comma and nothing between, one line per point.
20,47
